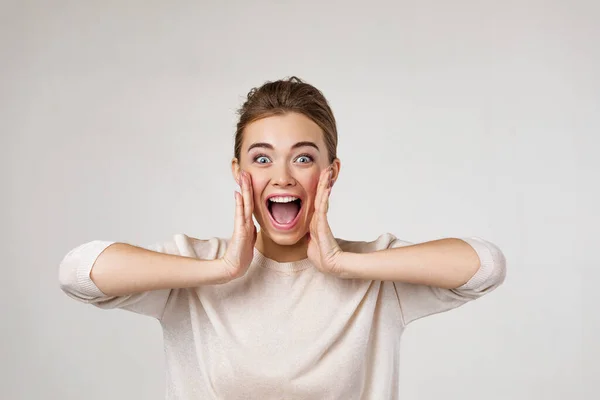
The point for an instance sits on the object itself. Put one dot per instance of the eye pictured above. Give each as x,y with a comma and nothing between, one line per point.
260,157
305,156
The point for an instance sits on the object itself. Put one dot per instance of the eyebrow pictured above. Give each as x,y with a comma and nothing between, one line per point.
270,146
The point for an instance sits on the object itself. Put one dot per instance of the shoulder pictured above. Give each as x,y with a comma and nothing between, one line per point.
184,245
382,242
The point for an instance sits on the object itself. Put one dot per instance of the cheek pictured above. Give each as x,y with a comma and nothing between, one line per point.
311,185
258,187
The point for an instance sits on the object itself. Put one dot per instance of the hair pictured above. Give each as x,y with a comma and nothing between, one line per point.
284,96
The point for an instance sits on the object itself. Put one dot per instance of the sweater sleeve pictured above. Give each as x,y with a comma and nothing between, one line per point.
75,281
417,301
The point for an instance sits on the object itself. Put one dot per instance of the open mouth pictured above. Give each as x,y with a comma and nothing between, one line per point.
284,212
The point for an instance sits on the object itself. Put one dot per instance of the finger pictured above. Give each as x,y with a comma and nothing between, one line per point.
313,225
247,197
322,190
324,207
250,198
319,195
239,210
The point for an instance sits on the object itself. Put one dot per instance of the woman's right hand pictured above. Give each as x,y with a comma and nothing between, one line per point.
240,250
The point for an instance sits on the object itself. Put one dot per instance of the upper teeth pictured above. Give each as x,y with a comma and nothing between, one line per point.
283,199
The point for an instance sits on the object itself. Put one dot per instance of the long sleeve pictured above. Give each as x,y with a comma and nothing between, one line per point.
417,301
75,281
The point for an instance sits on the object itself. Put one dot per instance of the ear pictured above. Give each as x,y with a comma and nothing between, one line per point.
235,170
337,165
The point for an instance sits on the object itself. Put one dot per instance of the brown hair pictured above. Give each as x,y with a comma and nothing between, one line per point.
283,96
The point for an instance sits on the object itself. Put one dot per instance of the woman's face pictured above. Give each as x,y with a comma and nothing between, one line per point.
284,155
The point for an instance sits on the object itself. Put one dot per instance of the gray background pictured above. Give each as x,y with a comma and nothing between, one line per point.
455,119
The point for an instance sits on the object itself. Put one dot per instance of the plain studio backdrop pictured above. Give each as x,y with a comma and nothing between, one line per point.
463,118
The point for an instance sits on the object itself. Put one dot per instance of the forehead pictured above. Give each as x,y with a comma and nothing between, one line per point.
283,131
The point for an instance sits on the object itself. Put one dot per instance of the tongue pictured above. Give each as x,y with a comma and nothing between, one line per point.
284,213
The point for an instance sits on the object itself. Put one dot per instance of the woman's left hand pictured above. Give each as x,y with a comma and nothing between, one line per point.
323,250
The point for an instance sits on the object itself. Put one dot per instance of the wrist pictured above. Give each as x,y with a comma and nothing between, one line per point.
348,265
213,272
225,270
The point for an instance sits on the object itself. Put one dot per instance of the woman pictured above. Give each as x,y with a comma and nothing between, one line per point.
288,311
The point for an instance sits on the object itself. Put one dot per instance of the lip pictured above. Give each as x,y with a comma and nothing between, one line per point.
283,195
294,222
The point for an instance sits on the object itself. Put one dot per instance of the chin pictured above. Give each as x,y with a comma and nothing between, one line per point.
287,239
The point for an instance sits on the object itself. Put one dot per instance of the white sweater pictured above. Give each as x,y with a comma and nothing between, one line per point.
283,330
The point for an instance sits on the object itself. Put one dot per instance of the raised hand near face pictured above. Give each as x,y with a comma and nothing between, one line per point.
323,250
240,250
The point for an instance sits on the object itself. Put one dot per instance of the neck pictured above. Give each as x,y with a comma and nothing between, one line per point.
281,252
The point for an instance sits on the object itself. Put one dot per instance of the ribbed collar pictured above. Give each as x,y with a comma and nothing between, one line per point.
293,266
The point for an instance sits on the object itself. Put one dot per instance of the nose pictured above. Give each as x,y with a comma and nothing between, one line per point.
282,177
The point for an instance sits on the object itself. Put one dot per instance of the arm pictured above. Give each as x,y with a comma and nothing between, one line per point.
124,269
445,263
119,275
431,277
